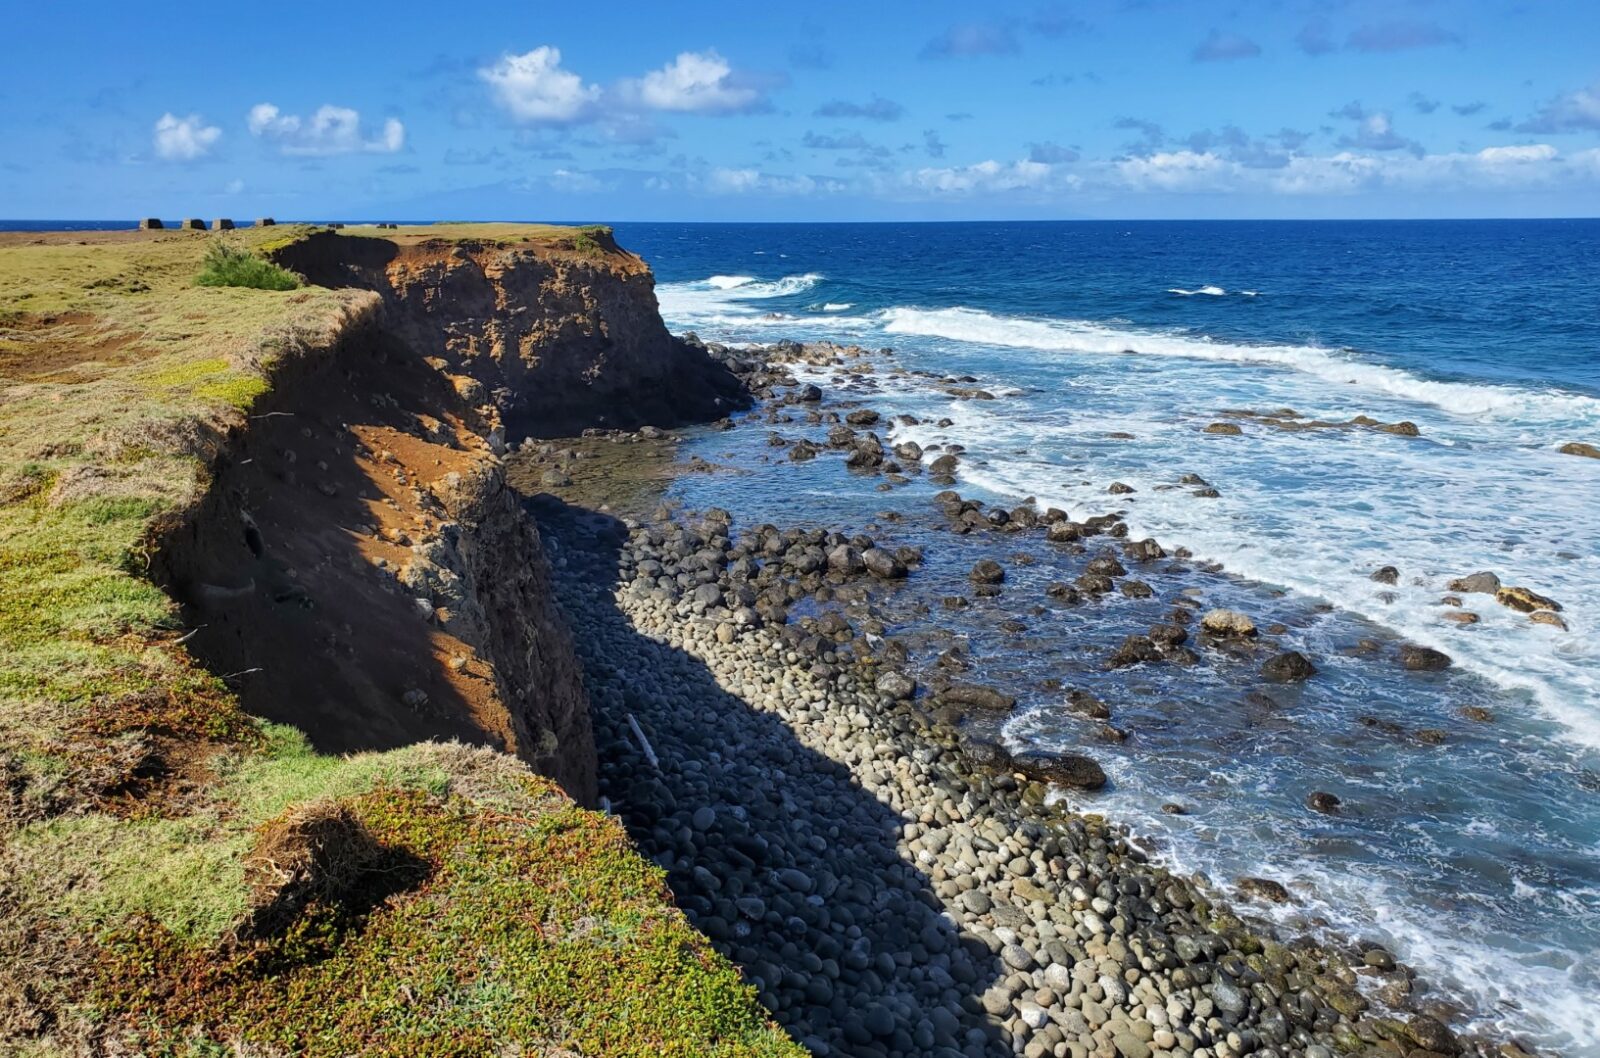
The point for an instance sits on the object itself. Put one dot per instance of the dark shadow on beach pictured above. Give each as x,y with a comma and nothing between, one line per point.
773,850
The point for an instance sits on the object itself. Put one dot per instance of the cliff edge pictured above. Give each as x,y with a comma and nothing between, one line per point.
279,670
561,332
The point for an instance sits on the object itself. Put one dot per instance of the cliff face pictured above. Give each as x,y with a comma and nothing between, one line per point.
362,569
559,336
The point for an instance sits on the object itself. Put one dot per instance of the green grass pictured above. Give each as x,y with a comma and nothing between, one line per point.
122,898
228,265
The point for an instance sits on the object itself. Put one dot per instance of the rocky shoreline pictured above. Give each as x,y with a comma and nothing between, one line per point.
889,883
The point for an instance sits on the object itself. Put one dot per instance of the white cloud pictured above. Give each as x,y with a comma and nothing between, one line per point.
534,89
1175,170
1537,152
1575,112
184,139
329,130
727,181
697,82
989,175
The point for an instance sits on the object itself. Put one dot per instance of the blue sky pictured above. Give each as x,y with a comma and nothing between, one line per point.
820,111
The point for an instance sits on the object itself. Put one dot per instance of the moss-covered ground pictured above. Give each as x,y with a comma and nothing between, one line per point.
164,887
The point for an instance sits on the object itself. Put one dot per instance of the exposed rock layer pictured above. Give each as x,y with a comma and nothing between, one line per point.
556,339
363,571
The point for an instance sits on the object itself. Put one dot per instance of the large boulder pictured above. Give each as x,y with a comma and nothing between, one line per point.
1066,769
1227,624
1578,448
1135,650
1423,659
1483,582
881,563
987,571
896,686
975,696
846,559
1289,667
1523,600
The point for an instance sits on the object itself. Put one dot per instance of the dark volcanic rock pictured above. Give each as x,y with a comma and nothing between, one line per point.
1067,769
882,564
975,696
1134,650
1289,667
1423,659
987,571
1482,582
1318,801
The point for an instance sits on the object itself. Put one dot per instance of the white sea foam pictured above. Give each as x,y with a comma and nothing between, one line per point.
729,282
837,306
1208,291
1336,366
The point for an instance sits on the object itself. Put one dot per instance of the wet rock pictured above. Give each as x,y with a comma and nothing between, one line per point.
841,437
1227,624
896,686
862,417
1264,889
808,394
1460,617
1146,550
882,564
944,465
1064,592
1136,589
1067,769
1477,713
910,451
1423,659
1062,532
867,453
1387,575
1320,801
1117,488
1524,600
1482,582
987,571
1430,1033
1548,617
802,451
1578,448
1291,666
1135,650
976,696
1105,565
846,560
1166,636
1094,584
1225,429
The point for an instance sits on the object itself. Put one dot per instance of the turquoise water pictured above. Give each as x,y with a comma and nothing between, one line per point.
1478,857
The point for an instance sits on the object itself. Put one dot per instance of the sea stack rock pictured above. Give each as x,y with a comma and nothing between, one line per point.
150,224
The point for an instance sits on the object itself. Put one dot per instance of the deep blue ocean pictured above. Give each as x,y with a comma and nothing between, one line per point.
1472,848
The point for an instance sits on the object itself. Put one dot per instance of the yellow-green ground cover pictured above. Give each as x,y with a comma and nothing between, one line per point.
179,878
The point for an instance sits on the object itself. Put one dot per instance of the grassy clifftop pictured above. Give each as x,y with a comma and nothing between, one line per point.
177,877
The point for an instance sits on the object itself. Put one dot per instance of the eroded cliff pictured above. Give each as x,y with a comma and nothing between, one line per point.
561,334
362,565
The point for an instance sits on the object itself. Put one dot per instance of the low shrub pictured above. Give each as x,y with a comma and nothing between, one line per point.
226,265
